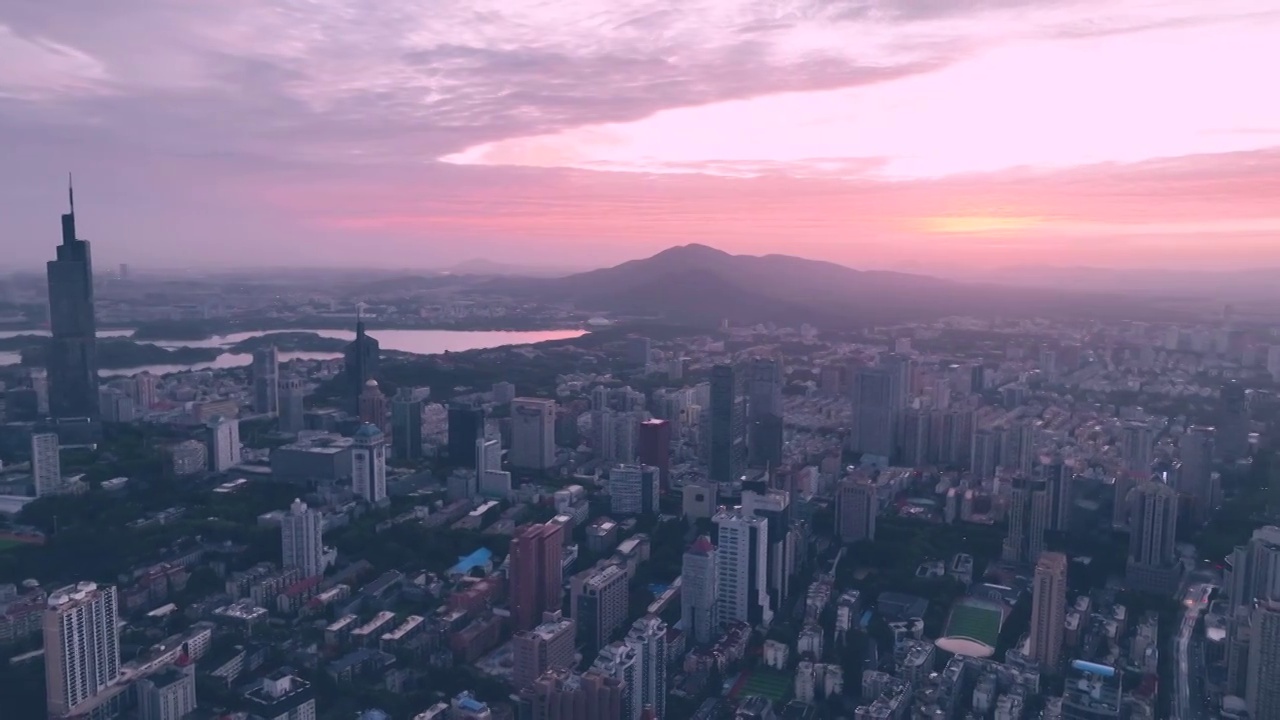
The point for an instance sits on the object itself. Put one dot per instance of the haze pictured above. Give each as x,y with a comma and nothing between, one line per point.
930,135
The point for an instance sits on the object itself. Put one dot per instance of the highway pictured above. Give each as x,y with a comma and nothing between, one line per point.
1186,703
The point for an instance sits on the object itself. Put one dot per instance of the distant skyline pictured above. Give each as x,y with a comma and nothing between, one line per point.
919,135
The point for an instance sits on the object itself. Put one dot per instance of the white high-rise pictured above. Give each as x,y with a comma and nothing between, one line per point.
698,592
491,480
369,464
224,443
81,647
533,433
46,463
649,638
301,539
742,566
1263,680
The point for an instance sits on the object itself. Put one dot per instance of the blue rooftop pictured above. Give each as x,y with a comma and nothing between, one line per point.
467,563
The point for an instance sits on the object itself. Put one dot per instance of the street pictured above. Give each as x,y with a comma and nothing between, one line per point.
1189,678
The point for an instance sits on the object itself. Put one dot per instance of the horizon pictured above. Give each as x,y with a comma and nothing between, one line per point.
948,141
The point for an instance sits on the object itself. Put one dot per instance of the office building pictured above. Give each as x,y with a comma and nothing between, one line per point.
620,661
81,647
46,464
536,573
698,501
369,464
633,489
1255,568
1031,511
266,380
549,646
600,604
223,443
169,694
1048,609
406,427
1262,683
655,448
1152,565
466,426
373,405
301,543
1232,442
1194,473
742,568
115,406
281,696
698,592
1137,447
292,409
565,695
877,394
857,505
533,433
360,361
764,413
648,637
145,393
188,457
72,355
727,447
758,500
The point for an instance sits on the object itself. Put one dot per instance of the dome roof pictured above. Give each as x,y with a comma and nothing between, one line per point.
368,430
371,383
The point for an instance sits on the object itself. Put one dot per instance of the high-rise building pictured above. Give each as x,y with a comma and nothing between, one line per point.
1137,444
533,433
563,695
1029,511
985,456
360,361
1262,693
72,356
224,443
169,694
466,426
406,427
727,456
648,636
1048,608
620,661
775,507
655,448
764,413
536,573
291,396
266,380
1232,441
115,406
373,405
301,539
742,562
1255,568
1058,477
600,605
46,464
549,646
633,489
145,394
1195,470
81,647
878,400
369,463
1152,565
698,591
857,505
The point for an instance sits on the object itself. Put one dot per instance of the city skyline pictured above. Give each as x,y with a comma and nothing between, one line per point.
1064,133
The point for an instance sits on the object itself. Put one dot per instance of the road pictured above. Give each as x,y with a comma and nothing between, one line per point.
1186,703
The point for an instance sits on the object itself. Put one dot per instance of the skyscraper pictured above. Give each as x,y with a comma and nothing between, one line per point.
369,464
775,507
360,363
649,638
1137,442
406,428
292,393
224,443
301,539
621,661
72,356
1262,692
266,380
728,446
536,573
46,463
600,604
655,448
82,647
1152,565
549,646
1028,517
698,591
1048,608
764,413
876,393
856,508
533,433
742,561
373,405
1255,568
633,489
1195,470
1233,429
466,425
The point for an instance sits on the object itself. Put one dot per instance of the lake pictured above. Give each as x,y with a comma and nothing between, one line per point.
420,342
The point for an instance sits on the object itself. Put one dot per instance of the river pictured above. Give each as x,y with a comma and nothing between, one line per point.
420,342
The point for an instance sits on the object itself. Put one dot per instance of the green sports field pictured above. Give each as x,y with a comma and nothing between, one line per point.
975,621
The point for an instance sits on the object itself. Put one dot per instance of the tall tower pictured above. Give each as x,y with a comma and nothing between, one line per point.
406,428
1233,429
1048,608
728,447
301,539
1255,568
373,405
82,646
224,443
536,573
857,505
878,398
742,566
292,394
698,591
649,638
73,348
533,433
1262,691
46,463
360,362
1152,566
466,425
764,413
1195,470
266,380
369,464
655,448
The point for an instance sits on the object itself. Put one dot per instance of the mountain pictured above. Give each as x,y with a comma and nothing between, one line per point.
696,283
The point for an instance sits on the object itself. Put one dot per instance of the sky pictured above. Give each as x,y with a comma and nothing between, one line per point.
943,136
